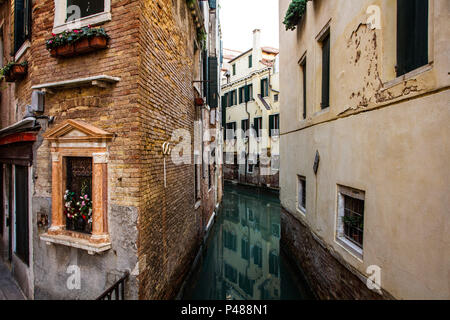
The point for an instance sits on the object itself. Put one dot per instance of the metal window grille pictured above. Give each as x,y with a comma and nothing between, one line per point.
354,220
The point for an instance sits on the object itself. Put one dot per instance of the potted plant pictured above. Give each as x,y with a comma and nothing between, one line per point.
14,71
77,41
199,102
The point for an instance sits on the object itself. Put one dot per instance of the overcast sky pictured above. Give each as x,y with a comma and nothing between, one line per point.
240,17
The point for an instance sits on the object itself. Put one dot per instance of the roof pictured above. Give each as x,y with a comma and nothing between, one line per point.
270,50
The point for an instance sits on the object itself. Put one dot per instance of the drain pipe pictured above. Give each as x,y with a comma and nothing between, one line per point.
248,147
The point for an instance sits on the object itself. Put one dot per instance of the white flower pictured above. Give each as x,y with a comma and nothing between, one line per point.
67,191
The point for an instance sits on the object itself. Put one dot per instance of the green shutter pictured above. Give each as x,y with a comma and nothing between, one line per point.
19,34
250,61
205,74
271,124
212,4
247,93
326,72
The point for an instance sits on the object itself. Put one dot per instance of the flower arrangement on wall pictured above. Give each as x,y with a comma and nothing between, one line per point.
78,211
294,14
77,41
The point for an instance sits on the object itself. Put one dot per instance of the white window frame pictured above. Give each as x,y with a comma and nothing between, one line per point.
273,161
300,208
340,238
60,25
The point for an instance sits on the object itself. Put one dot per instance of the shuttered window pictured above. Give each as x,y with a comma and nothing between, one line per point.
326,72
274,125
234,69
22,23
230,131
242,91
264,87
250,61
212,4
412,35
249,93
257,125
244,127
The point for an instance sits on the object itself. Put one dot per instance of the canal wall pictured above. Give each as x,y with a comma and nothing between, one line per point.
327,274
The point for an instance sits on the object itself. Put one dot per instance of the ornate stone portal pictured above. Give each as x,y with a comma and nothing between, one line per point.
75,138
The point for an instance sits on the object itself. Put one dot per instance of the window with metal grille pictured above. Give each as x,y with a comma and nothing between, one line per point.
78,197
87,8
22,23
275,98
354,220
302,194
412,35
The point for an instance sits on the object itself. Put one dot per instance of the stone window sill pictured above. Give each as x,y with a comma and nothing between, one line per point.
354,250
80,243
22,50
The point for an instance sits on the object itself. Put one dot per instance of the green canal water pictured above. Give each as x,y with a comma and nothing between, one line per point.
243,260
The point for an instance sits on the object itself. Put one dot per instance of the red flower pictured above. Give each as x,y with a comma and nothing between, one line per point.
53,34
84,217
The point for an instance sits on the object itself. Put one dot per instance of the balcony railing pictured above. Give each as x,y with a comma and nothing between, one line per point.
117,290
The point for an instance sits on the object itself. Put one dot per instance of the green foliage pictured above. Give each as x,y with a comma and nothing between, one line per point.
353,221
201,36
7,69
70,37
295,12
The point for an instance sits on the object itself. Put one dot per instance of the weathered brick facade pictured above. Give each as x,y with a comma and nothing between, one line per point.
155,231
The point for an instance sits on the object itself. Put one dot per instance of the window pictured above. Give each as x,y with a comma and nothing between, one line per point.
197,172
250,61
231,131
275,98
257,256
301,194
246,284
229,240
257,125
275,162
326,71
303,67
274,263
351,218
78,197
242,95
249,95
244,127
230,273
81,12
234,69
412,35
233,97
264,87
250,167
274,125
22,23
276,230
245,249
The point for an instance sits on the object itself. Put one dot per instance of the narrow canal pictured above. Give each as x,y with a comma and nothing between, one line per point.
243,260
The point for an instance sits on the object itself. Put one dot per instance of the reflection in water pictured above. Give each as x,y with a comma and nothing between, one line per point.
243,259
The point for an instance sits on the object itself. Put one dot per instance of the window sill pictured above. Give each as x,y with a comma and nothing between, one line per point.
22,50
80,243
389,84
84,22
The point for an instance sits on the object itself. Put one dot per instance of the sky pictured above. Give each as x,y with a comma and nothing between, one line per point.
240,17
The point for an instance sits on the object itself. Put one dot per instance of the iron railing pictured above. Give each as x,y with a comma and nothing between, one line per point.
117,290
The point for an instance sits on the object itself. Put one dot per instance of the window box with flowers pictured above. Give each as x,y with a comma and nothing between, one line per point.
14,71
79,187
77,41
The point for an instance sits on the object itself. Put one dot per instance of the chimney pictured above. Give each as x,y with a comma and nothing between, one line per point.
256,39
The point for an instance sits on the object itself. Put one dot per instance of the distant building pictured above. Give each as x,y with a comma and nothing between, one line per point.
250,103
364,147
